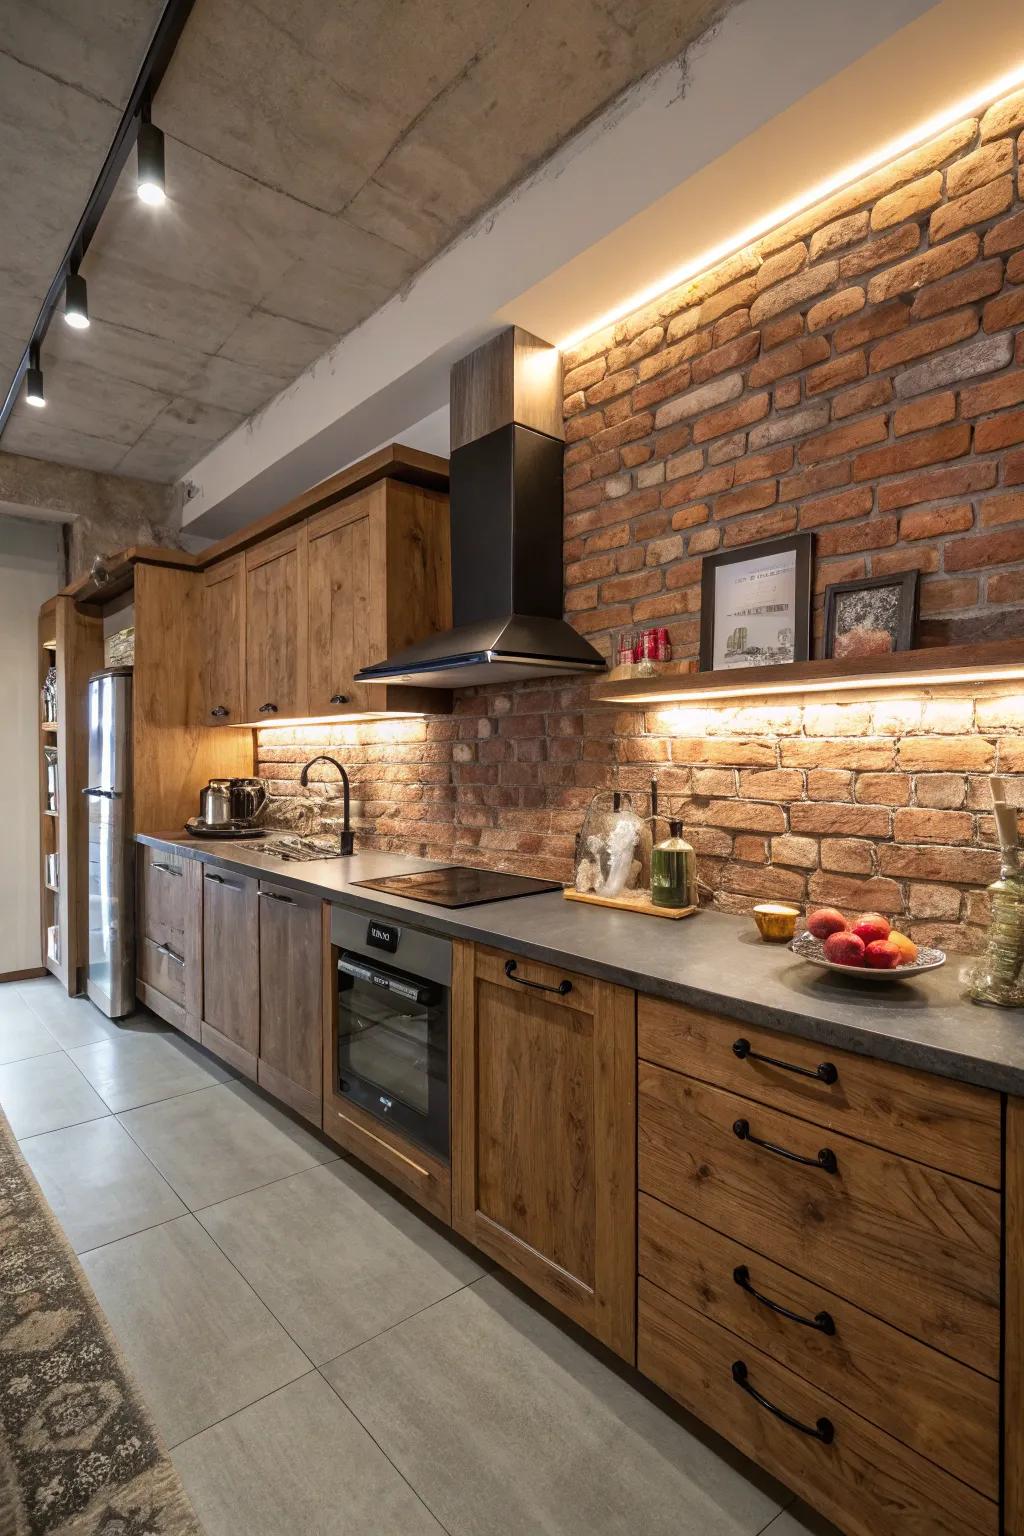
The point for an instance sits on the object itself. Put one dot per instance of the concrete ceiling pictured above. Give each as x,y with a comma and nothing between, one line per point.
318,156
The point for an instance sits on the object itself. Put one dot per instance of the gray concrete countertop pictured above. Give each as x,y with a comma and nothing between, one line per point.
711,961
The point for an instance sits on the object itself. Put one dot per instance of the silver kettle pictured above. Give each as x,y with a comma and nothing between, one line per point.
215,803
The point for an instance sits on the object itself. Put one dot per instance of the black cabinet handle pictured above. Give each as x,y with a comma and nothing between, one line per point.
823,1322
268,709
825,1072
172,954
824,1430
562,990
273,896
339,698
826,1158
219,880
220,711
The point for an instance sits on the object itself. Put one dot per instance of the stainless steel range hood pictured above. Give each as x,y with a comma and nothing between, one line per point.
506,510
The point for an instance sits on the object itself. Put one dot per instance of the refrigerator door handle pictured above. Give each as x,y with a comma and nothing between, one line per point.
106,794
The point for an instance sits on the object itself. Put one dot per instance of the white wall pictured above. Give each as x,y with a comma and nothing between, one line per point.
30,572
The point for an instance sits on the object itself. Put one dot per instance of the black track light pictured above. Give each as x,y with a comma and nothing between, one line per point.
34,377
151,160
76,302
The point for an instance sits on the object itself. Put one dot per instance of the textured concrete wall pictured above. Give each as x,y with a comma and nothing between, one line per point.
105,512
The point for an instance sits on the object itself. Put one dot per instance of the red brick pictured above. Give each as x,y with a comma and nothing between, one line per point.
926,268
861,397
973,171
960,865
662,386
920,340
777,268
913,825
881,321
999,432
704,540
1005,587
808,482
737,296
835,307
890,247
824,820
584,376
840,233
757,466
784,328
731,417
795,290
648,341
948,596
584,426
1013,468
982,550
849,538
962,288
976,208
936,485
996,510
693,487
634,453
936,522
751,498
842,440
1005,311
905,203
684,574
1005,116
671,356
730,326
1006,236
932,411
792,358
834,509
786,394
913,452
767,525
622,588
993,395
841,370
623,432
611,387
721,359
923,557
689,517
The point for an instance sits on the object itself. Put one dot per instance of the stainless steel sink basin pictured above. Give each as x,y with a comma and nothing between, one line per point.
290,846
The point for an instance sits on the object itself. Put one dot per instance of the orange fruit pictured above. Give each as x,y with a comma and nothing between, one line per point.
906,947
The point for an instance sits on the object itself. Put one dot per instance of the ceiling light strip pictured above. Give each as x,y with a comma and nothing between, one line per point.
154,66
924,131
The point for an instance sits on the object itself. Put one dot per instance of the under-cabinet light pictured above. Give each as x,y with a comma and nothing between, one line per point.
308,722
920,680
901,145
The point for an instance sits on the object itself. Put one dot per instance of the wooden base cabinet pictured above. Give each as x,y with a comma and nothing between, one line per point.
231,971
544,1133
291,982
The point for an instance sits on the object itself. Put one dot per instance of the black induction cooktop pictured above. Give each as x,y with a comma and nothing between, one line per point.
458,886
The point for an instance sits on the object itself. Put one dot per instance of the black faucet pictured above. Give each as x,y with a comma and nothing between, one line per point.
347,835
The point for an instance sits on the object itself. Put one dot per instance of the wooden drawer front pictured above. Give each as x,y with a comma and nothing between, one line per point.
162,899
947,1125
163,967
915,1246
865,1481
940,1408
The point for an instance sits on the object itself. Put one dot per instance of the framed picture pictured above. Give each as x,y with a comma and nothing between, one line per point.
871,617
755,605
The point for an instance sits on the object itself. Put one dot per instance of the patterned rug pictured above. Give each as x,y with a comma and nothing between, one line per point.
78,1453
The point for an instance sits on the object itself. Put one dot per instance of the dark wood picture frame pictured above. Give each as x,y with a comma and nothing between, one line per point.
908,583
803,546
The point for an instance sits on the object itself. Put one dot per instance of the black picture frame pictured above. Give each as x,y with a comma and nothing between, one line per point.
908,584
803,546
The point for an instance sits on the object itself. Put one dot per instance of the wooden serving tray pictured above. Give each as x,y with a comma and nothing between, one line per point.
628,904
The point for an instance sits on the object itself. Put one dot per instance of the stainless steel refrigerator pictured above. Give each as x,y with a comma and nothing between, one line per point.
110,975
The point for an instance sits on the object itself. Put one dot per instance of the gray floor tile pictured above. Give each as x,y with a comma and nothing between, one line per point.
44,1093
336,1258
200,1343
800,1521
297,1461
144,1068
22,1033
100,1186
502,1423
221,1142
74,1021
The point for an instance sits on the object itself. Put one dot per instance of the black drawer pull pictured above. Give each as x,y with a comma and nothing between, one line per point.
273,896
562,990
220,711
825,1072
339,698
823,1321
219,880
824,1430
826,1158
172,954
268,709
167,869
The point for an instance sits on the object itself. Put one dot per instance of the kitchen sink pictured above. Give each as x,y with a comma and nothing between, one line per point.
289,845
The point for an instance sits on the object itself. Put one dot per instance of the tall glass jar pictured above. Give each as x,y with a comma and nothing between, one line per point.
999,977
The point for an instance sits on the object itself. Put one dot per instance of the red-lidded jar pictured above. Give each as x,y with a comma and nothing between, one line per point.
664,647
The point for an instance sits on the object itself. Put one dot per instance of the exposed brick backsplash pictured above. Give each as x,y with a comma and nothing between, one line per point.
857,372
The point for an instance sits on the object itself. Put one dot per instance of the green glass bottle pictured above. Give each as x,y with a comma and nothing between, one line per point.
673,870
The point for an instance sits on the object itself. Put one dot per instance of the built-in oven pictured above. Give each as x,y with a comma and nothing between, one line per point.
392,1054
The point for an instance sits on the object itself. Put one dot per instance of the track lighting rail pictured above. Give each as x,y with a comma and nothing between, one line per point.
154,66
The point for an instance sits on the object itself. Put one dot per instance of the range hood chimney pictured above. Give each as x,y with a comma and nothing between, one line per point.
506,511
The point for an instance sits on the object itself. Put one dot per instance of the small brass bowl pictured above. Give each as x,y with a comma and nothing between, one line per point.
776,922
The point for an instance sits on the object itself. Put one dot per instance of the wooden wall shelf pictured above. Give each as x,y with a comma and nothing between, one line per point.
942,666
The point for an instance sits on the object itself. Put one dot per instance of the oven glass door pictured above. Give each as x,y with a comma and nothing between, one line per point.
393,1048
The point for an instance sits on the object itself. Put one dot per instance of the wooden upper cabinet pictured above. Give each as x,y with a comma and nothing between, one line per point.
275,640
223,674
379,580
544,1132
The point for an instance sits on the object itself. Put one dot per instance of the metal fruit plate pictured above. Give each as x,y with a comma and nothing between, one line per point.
807,947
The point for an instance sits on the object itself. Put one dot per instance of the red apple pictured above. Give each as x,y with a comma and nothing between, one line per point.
871,926
826,921
844,949
882,956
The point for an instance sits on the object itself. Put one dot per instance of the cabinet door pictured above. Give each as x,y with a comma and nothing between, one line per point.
291,999
223,643
275,628
231,975
340,607
544,1133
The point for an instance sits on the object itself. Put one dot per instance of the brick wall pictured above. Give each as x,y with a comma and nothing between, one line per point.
857,372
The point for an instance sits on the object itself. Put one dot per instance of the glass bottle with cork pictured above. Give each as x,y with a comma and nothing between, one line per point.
673,863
